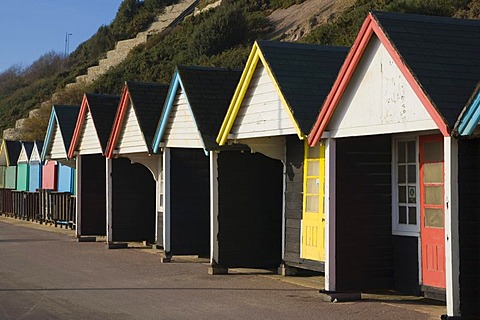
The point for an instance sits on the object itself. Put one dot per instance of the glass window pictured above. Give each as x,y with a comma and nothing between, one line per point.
434,218
433,151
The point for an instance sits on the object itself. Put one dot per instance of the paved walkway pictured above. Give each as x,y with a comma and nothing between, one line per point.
46,274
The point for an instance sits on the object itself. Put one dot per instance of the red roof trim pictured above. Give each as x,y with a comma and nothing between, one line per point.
369,27
78,126
117,124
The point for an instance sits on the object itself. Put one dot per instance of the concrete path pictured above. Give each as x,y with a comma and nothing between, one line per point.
48,275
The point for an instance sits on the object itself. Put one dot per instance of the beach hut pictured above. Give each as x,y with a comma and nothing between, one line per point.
35,167
88,145
9,152
23,169
59,170
195,106
274,107
131,186
403,188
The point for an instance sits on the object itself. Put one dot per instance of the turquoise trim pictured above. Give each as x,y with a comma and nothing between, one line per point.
470,119
162,123
48,136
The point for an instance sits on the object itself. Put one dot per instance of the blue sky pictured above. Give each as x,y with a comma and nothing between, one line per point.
30,28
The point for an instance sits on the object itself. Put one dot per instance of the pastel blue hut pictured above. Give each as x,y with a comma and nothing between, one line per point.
23,169
59,171
35,167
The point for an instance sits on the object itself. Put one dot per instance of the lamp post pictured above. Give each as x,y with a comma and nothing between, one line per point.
67,44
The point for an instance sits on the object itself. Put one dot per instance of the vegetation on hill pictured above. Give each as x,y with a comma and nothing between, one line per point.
220,37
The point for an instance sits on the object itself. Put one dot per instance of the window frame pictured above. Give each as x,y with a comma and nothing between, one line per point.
399,228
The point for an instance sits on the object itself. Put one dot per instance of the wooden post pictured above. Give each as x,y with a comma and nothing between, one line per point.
78,220
330,221
452,247
213,207
166,200
158,205
108,184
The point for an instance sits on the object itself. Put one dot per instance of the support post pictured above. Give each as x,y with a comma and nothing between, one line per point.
452,247
158,203
108,185
166,199
78,200
330,219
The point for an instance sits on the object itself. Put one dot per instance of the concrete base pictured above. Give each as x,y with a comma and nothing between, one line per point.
285,270
117,245
87,239
215,269
157,247
330,296
165,257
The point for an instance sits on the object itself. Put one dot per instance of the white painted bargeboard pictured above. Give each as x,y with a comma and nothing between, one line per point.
378,99
262,113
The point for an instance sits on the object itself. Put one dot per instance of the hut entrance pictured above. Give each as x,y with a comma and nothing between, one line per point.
250,199
133,202
189,202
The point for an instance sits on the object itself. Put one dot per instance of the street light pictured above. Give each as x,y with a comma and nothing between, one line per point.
67,44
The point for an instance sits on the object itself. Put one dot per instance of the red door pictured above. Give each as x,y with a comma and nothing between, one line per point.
432,213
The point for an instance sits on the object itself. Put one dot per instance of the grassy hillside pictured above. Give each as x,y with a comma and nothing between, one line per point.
219,37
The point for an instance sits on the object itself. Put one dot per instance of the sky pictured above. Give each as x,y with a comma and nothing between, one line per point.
31,28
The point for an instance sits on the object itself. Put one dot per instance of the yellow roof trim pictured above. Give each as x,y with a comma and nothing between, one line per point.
3,149
241,90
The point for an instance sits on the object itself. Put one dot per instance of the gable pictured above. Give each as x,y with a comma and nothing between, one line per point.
35,156
261,113
57,145
131,139
88,140
378,99
23,157
181,130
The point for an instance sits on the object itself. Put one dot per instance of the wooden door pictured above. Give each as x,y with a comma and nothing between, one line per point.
313,220
432,213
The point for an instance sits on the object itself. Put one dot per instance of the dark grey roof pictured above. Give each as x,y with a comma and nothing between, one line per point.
66,120
305,74
103,109
13,148
28,148
209,92
148,100
442,54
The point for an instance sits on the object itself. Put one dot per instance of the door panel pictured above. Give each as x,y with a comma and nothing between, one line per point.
313,221
432,213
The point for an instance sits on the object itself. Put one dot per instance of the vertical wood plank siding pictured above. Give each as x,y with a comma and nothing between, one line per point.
405,263
364,235
93,195
469,225
189,202
133,205
89,143
131,138
250,210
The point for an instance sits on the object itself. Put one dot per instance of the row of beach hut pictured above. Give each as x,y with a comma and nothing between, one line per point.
362,163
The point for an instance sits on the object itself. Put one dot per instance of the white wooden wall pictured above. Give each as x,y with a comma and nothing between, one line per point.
378,99
57,146
88,140
131,139
261,113
181,130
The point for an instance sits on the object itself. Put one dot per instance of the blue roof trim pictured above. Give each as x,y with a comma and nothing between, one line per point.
162,123
470,119
48,136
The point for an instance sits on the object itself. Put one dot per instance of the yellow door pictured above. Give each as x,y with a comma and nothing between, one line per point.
313,220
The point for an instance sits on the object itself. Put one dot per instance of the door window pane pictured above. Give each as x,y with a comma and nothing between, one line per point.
313,168
433,172
312,203
411,151
434,218
313,186
412,174
401,173
402,215
433,151
412,215
314,153
412,194
401,155
434,195
402,194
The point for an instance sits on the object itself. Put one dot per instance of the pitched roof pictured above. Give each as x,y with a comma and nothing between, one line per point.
148,100
65,117
302,73
28,146
102,108
437,55
12,149
208,91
